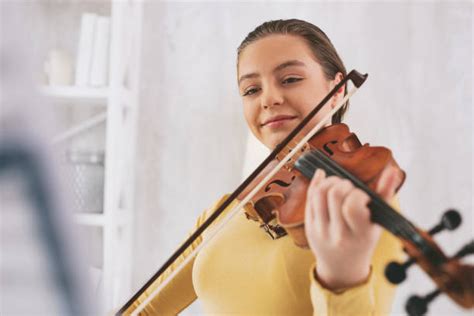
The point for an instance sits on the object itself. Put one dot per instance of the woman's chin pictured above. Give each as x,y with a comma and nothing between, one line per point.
275,139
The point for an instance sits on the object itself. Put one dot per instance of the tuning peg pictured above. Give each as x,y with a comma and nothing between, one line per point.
450,220
396,272
466,250
418,305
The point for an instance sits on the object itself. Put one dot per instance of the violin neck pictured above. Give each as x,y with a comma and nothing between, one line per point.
381,213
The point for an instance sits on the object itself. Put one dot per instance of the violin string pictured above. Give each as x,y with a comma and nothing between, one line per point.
375,199
312,167
342,172
391,224
386,216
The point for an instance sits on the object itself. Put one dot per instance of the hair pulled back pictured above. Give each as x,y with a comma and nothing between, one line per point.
318,42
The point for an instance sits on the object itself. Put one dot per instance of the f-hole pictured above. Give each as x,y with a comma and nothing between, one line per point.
327,149
280,183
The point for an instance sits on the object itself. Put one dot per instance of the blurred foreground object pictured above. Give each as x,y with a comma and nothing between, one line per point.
41,262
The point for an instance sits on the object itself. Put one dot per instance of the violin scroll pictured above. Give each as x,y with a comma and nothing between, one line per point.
457,281
451,277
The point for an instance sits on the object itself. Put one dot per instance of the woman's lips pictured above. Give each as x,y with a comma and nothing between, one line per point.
278,121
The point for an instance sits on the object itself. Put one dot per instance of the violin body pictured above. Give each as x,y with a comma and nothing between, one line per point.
283,198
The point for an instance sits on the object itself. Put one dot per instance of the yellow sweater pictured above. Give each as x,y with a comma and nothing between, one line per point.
242,271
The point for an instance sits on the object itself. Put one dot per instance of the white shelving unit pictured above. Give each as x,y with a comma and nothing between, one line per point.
74,93
120,103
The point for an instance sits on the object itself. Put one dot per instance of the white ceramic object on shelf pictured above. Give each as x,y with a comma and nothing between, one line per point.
58,68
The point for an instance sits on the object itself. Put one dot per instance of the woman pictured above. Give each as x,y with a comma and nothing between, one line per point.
284,68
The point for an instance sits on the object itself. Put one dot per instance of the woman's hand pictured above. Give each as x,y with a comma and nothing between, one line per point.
338,227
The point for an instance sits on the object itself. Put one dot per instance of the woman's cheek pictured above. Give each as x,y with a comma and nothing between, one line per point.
248,114
251,117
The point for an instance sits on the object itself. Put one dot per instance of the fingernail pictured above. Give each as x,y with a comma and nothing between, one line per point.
319,175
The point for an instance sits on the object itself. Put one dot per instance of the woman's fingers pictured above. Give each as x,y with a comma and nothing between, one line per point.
324,201
316,209
336,195
337,205
358,200
355,211
389,181
339,227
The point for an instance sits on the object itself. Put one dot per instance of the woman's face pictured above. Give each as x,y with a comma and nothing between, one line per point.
280,82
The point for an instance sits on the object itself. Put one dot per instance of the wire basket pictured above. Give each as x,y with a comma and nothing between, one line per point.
86,177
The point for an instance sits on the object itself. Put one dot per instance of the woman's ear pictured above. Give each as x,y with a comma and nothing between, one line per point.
340,93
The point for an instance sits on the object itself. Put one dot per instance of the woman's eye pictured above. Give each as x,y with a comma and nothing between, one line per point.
250,91
291,80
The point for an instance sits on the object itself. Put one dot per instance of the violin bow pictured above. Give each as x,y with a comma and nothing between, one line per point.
357,79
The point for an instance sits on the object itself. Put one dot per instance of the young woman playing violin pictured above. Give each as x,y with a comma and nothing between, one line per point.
285,68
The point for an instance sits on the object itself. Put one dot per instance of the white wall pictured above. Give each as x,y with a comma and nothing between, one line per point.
192,136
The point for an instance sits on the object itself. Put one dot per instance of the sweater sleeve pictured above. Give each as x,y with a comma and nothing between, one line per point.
179,292
372,297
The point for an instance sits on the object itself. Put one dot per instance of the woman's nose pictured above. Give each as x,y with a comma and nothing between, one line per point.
270,97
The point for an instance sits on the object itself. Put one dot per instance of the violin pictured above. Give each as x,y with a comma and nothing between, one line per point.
280,205
283,199
275,194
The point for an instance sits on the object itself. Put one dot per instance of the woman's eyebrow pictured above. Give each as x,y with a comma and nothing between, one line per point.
288,63
248,76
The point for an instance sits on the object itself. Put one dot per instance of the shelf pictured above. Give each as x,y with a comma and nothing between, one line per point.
99,219
76,93
92,219
105,116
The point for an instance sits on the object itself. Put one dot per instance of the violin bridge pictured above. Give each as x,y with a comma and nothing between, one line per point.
275,231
